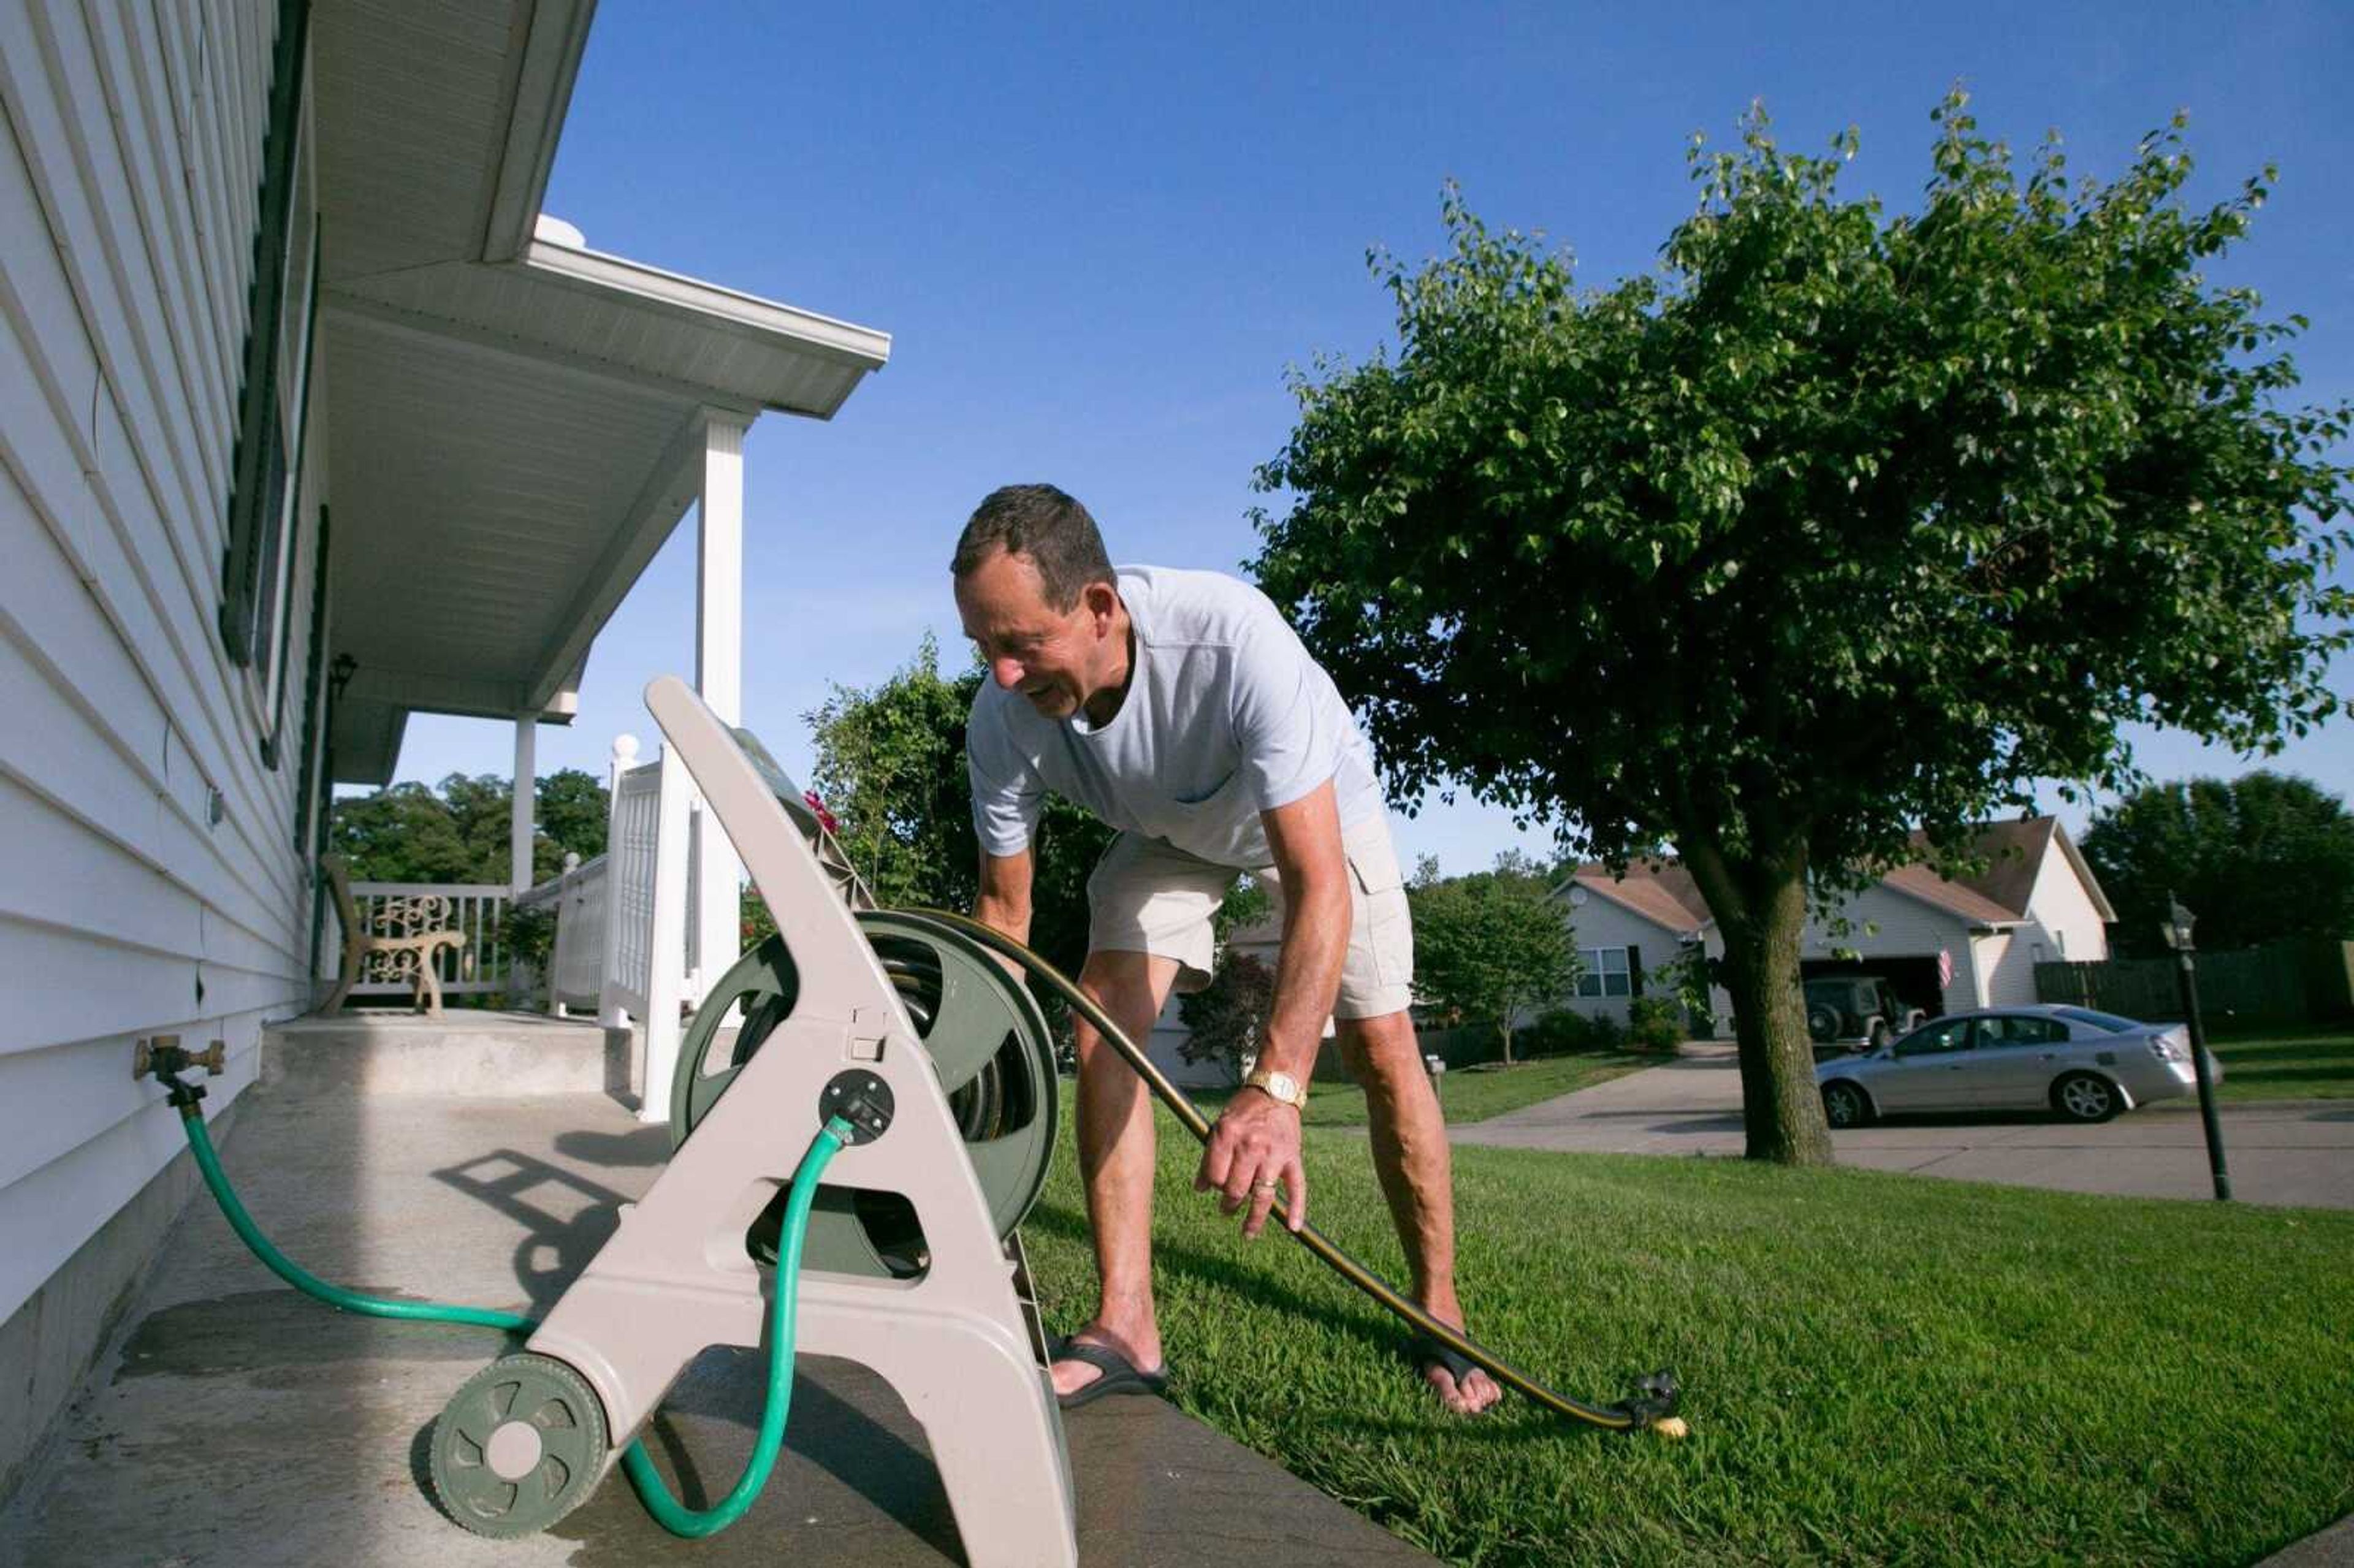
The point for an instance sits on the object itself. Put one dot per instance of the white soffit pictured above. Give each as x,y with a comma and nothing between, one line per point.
516,423
673,333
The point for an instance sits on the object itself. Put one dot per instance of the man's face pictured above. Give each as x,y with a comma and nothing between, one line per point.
1057,659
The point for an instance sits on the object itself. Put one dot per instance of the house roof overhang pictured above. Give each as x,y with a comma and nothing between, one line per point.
515,424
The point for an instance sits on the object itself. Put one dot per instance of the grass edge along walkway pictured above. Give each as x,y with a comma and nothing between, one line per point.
1877,1368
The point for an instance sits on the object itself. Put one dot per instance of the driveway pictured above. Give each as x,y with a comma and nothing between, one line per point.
2286,1151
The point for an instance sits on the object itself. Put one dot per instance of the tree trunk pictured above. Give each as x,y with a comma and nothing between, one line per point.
1762,911
1505,1029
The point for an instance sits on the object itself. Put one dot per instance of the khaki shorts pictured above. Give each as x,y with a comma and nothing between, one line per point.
1145,895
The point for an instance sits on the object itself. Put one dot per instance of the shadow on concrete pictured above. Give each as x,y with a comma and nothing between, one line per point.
556,1245
1975,1119
1698,1121
647,1146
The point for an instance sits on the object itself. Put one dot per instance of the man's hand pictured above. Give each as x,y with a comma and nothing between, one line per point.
1253,1148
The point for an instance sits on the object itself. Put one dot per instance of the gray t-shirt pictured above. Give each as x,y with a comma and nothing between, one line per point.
1225,716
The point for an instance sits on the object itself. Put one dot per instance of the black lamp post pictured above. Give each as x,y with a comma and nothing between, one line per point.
2176,927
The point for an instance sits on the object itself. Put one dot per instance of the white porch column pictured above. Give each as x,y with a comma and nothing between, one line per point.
527,798
719,680
719,582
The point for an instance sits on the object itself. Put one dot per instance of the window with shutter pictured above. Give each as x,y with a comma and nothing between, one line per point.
257,576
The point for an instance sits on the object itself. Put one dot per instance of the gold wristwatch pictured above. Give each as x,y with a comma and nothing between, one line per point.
1280,1087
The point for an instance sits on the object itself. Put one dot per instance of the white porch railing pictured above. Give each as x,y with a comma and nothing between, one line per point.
480,968
616,913
576,967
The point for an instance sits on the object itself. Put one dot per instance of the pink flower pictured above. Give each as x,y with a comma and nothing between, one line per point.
824,817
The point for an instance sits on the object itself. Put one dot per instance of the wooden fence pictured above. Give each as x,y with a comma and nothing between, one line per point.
2293,981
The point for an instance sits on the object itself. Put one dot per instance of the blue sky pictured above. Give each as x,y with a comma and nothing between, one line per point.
1100,239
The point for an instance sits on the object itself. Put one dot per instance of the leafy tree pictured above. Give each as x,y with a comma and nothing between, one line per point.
404,833
890,767
1489,945
1838,525
574,810
461,832
2263,856
1224,1022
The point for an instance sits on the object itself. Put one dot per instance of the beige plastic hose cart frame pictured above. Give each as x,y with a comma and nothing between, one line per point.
962,1343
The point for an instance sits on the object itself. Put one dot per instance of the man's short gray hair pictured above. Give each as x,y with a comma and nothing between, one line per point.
1049,527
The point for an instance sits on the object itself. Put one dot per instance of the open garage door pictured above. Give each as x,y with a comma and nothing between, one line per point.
1912,976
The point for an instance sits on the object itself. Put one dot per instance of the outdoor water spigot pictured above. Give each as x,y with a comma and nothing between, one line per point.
163,1056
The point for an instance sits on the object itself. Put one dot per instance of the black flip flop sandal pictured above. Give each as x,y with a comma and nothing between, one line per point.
1425,1352
1119,1374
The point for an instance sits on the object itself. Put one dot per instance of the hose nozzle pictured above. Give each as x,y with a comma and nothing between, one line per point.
1652,1407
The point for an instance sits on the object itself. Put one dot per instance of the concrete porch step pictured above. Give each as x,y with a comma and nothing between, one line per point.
465,1051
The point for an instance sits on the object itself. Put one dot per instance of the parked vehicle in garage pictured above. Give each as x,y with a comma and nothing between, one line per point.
1851,1011
2086,1065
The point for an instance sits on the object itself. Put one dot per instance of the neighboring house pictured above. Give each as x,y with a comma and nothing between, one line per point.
1945,945
307,421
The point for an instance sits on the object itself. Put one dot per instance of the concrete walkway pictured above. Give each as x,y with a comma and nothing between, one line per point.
2287,1151
239,1422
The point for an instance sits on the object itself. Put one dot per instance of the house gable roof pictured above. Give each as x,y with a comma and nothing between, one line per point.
1661,892
1665,894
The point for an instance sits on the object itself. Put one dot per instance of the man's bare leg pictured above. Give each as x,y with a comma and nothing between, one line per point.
1116,1160
1418,1176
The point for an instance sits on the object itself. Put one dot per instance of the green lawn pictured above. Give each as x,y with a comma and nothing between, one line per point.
1471,1095
2312,1062
1878,1369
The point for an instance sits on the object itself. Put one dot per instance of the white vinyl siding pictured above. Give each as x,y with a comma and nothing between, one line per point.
2065,916
129,906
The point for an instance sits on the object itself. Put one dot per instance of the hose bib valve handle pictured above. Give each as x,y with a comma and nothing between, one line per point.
166,1058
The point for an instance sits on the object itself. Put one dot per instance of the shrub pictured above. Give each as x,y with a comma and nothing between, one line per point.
1565,1032
1654,1023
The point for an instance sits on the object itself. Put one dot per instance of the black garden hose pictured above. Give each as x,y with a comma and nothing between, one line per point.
1651,1407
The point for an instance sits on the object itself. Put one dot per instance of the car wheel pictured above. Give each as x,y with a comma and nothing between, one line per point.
1823,1023
1845,1106
2087,1097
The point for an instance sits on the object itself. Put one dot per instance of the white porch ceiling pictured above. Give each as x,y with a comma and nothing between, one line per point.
513,425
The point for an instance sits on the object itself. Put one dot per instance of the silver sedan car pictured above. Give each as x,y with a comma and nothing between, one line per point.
2084,1064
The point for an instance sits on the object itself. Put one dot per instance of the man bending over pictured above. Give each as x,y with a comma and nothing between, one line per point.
1182,709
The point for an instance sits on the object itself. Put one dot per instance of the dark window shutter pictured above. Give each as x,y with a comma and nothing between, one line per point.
256,481
308,809
1633,970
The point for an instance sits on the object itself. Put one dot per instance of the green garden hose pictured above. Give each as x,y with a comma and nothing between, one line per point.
667,1511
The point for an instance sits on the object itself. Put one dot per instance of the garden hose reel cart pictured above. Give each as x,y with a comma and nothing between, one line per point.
942,1066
